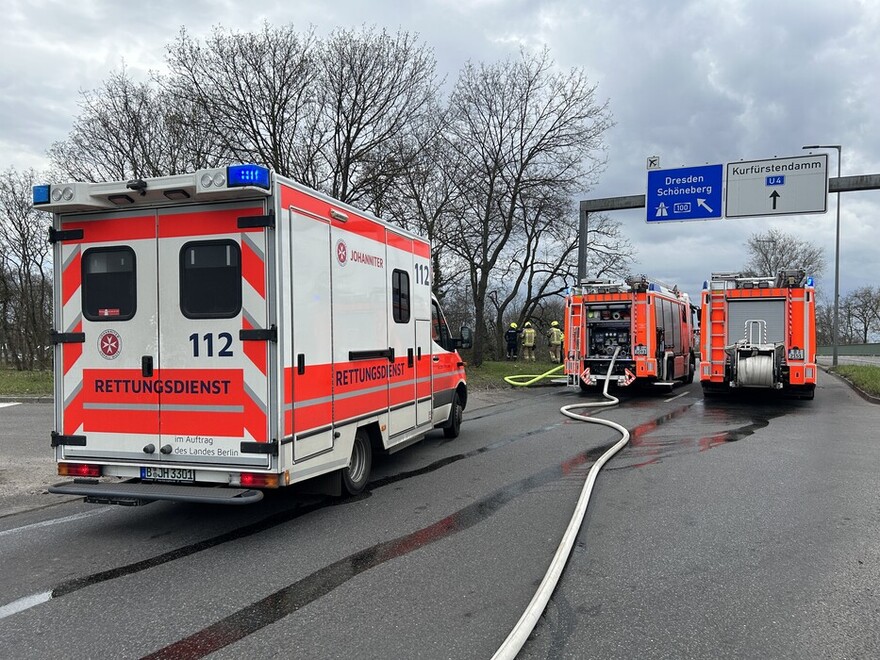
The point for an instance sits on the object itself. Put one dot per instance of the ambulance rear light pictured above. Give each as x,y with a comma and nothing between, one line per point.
79,470
258,480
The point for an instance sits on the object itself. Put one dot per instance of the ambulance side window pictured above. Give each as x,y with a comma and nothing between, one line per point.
108,284
400,296
210,279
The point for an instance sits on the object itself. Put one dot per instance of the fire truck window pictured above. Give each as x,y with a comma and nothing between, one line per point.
400,296
210,280
108,284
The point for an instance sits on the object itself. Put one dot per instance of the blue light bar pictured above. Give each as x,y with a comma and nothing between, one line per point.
809,281
41,194
247,175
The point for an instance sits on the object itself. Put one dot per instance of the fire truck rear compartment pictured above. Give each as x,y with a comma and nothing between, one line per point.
608,327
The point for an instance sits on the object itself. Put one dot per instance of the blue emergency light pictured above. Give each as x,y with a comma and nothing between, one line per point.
809,281
41,194
247,175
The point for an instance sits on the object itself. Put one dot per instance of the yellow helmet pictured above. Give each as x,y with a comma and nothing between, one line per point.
555,323
513,325
528,325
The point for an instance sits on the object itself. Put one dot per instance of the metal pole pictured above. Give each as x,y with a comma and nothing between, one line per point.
582,248
835,323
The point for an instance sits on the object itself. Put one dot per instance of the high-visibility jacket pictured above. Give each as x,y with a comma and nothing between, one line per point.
528,337
556,336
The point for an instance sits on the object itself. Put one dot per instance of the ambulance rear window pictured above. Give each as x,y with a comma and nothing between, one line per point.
108,284
210,280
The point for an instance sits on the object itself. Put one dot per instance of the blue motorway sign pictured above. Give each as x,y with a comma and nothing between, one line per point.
686,193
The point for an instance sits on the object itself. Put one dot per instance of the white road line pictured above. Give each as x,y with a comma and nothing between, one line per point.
54,521
676,397
25,603
7,404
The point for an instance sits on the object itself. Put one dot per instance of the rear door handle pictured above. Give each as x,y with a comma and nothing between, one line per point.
147,366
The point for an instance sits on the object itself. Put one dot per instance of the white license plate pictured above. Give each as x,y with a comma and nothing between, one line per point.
176,475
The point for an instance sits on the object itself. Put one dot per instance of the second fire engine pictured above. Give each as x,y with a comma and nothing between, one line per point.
653,324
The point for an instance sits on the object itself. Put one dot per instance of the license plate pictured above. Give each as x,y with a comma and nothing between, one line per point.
176,475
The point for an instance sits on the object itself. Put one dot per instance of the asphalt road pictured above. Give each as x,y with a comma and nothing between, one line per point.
728,528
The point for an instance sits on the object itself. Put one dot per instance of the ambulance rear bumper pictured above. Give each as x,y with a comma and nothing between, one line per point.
134,493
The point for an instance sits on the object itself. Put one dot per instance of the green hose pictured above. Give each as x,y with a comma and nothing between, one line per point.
517,380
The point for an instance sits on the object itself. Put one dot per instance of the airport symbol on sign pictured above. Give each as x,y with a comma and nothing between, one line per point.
686,193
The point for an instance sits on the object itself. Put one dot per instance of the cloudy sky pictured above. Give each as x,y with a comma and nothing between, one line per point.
690,81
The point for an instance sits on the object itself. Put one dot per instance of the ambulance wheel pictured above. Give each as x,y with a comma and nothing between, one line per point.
453,426
355,476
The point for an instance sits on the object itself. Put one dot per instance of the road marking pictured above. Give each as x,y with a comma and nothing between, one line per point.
677,397
25,603
10,403
54,521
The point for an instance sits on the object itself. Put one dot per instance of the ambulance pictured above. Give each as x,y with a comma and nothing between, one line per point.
759,332
228,331
653,324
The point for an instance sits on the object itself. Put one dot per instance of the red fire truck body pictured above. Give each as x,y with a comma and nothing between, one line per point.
759,332
651,323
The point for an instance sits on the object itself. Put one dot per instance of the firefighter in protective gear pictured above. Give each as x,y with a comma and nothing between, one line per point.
528,342
511,337
555,337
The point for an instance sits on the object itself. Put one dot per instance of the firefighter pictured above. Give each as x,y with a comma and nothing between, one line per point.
528,342
511,337
555,337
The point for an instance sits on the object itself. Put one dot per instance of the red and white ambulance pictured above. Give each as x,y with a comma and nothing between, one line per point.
227,331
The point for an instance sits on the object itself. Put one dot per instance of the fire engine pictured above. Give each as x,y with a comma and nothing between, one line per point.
227,331
652,323
759,332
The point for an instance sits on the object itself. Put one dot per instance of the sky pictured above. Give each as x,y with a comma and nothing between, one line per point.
693,82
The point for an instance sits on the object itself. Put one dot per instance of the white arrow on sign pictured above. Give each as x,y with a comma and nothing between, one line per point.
702,202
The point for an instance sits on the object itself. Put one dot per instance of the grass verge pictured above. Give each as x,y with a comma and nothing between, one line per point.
866,378
27,383
490,375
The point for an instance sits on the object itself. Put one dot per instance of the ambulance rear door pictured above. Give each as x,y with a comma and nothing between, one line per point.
215,358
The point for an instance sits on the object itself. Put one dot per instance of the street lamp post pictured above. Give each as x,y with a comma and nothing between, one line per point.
836,320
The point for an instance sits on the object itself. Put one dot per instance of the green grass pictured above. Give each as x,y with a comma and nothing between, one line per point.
490,375
866,378
29,383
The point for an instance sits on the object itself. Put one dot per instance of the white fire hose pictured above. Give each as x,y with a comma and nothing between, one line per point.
527,622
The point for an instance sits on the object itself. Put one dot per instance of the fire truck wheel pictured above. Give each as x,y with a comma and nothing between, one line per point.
355,476
453,426
691,368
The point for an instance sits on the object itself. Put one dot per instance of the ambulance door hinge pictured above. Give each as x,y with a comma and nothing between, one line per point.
251,221
68,337
259,334
69,440
270,448
57,235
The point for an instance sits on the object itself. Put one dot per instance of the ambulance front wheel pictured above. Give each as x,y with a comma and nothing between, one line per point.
453,426
355,476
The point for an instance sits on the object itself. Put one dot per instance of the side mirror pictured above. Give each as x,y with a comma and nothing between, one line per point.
467,338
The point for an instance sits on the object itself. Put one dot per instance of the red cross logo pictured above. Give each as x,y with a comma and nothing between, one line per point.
109,344
341,253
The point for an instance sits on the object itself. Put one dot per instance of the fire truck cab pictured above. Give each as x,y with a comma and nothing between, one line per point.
653,324
229,330
759,332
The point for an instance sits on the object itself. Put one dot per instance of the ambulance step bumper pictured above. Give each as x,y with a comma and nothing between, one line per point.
133,493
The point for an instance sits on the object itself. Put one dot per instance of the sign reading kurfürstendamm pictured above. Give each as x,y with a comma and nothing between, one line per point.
780,186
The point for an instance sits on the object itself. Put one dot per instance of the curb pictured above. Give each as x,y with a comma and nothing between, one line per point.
870,398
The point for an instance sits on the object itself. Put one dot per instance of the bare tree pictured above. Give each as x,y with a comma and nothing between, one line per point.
525,136
377,94
254,91
128,129
774,250
25,285
861,312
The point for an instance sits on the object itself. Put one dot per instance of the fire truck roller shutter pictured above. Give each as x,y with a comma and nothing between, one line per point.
771,311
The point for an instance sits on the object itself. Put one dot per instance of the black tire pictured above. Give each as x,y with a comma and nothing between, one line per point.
356,475
453,426
691,369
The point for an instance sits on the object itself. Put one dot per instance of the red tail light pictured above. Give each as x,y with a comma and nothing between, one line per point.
251,480
79,470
